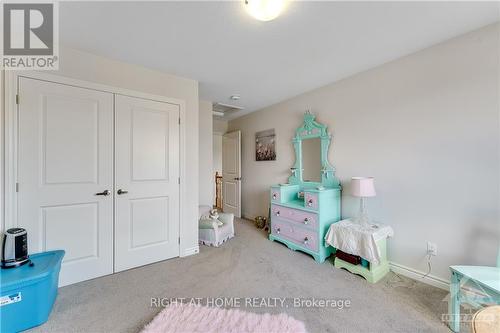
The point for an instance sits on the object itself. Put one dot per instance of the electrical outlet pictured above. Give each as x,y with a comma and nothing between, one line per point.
432,249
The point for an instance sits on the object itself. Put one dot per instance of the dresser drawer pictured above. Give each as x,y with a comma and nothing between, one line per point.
301,217
311,200
283,193
275,195
302,237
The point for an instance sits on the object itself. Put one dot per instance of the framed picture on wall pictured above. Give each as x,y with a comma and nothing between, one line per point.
265,145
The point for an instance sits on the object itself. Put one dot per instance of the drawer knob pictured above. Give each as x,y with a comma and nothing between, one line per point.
274,196
278,213
310,202
306,241
306,220
278,230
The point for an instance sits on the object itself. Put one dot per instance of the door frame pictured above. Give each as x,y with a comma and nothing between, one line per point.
10,127
240,173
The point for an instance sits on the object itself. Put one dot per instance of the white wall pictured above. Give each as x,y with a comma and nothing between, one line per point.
219,129
220,126
426,126
205,153
85,66
217,161
217,149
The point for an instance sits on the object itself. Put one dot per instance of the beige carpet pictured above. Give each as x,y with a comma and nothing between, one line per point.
248,266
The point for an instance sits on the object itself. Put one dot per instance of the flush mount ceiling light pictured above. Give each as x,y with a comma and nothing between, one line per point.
264,10
234,97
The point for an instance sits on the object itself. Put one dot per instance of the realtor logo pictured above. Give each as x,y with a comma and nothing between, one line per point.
29,36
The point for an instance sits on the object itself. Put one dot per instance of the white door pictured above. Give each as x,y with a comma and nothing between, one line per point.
231,173
146,181
65,157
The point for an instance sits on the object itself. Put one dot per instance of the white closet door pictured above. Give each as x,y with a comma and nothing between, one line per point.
146,181
65,157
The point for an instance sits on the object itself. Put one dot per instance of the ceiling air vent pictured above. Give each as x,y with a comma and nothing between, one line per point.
221,109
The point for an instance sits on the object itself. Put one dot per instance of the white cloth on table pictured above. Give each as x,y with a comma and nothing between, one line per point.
354,238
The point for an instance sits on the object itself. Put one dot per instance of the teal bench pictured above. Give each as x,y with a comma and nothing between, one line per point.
487,279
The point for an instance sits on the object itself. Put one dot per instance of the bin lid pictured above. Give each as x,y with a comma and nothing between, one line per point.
44,265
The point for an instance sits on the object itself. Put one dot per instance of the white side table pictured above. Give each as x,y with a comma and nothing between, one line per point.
368,242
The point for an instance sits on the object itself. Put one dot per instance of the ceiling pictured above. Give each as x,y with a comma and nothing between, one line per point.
310,45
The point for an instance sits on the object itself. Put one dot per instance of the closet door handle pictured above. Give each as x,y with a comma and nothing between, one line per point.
105,193
120,192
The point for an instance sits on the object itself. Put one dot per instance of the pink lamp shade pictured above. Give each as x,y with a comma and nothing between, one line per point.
362,187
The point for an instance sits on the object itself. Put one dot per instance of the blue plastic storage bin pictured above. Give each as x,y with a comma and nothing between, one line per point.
27,293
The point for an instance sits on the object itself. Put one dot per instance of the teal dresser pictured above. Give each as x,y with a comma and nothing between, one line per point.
303,209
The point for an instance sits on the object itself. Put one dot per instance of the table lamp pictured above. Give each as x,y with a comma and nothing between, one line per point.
362,187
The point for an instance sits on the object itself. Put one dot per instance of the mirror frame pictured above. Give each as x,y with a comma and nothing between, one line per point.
311,129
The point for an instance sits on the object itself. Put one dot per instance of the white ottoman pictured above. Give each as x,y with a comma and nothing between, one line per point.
213,233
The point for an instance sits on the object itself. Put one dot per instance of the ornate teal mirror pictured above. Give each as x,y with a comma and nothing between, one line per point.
311,143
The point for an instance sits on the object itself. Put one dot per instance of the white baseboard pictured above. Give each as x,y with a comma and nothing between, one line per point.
190,251
419,276
470,291
247,216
